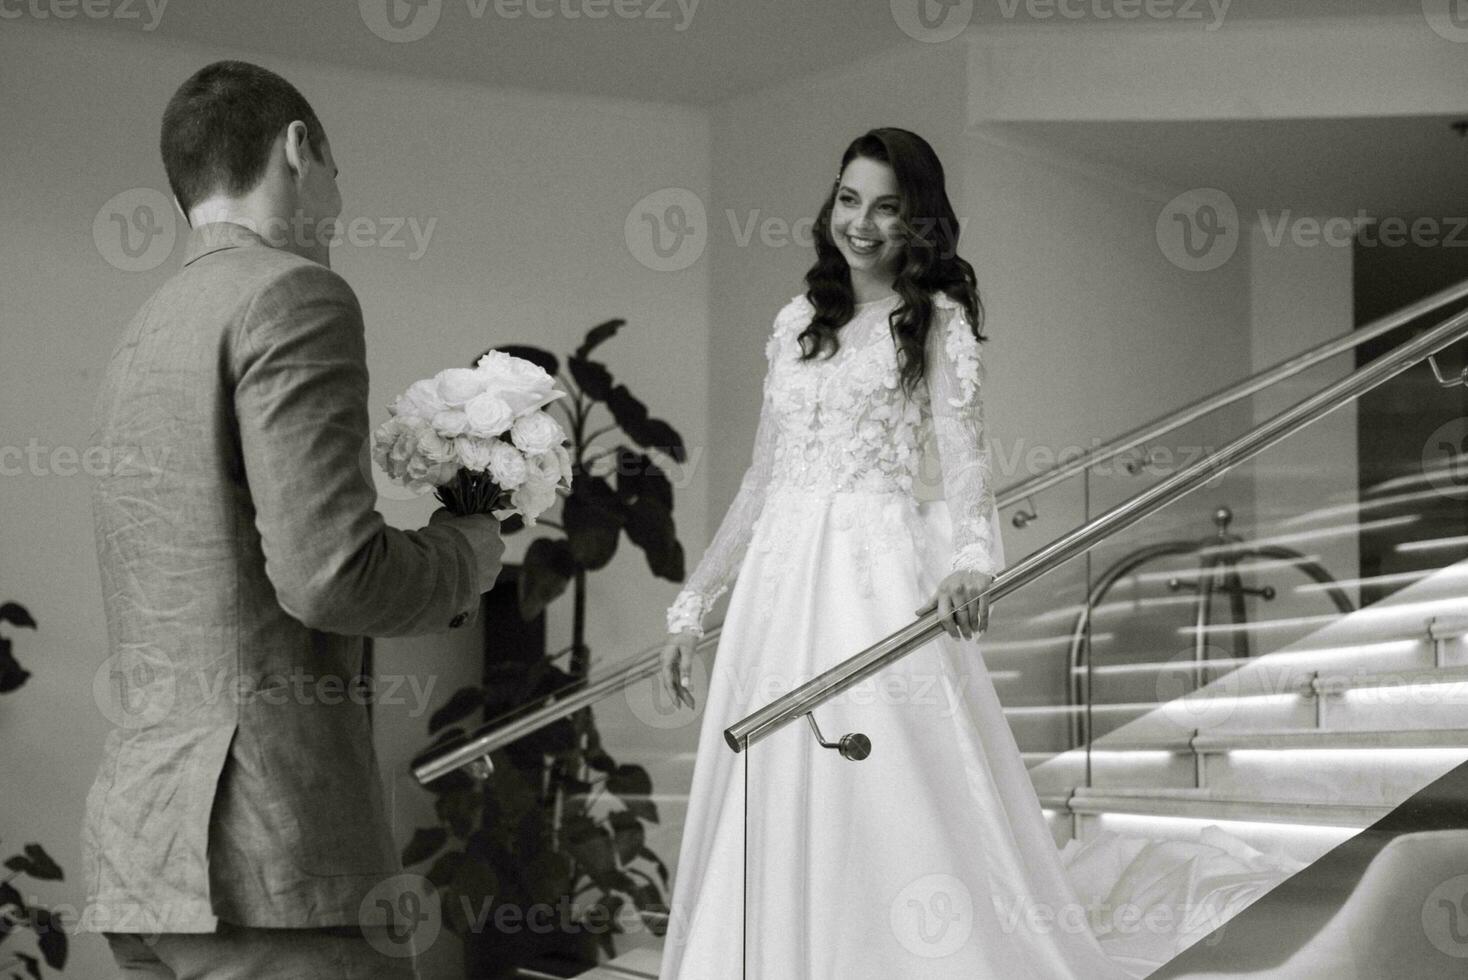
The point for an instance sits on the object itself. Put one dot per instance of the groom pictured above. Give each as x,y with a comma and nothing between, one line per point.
236,827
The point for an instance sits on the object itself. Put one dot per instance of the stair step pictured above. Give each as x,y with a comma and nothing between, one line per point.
1290,738
1207,805
642,963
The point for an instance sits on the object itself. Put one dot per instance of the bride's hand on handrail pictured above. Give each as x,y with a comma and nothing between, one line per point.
959,616
675,667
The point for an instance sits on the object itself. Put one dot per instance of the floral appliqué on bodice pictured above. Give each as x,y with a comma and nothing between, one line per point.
836,429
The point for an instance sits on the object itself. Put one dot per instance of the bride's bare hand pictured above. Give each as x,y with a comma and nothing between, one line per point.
676,666
959,611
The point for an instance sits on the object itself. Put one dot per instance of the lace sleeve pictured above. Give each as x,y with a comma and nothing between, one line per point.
955,376
720,562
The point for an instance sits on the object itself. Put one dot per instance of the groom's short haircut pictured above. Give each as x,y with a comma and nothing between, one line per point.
220,125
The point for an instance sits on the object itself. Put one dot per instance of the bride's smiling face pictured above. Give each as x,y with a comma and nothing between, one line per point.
866,223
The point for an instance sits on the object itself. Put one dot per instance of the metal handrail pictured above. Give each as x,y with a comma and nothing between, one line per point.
1237,391
475,748
816,691
438,761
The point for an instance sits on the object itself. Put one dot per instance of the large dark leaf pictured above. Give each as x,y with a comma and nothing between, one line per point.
14,612
628,835
593,519
463,703
639,476
10,899
51,937
600,761
459,811
425,844
650,526
445,868
597,335
593,378
633,786
547,569
626,409
542,359
601,920
553,739
36,863
630,780
647,855
591,845
12,674
650,433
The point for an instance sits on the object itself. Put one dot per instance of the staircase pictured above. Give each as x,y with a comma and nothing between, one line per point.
1295,749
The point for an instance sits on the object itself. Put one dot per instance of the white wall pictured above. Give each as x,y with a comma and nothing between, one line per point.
529,193
1301,296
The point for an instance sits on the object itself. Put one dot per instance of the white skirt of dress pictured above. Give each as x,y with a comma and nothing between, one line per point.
930,858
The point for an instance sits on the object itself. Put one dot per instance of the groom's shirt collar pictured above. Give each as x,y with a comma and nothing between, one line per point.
217,236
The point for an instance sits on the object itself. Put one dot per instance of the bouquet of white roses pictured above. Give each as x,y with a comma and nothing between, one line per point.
480,438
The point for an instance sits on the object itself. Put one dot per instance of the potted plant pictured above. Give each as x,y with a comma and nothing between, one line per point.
559,825
33,861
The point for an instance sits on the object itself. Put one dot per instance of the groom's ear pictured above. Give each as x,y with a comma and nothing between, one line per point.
295,142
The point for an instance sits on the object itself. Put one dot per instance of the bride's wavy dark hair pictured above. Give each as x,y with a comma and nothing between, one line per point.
929,262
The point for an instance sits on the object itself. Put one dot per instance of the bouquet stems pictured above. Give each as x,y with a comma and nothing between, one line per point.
471,492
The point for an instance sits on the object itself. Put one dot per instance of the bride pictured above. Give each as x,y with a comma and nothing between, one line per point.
931,858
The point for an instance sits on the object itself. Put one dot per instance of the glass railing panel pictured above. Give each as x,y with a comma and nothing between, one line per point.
1324,678
562,856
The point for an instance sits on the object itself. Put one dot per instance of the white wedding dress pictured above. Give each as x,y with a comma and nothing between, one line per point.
930,858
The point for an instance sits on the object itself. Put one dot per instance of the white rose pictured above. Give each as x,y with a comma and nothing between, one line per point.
524,386
488,415
458,385
421,401
436,448
474,453
533,498
563,457
404,435
451,422
546,467
506,465
422,472
537,433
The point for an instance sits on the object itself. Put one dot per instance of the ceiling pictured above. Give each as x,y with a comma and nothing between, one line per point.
688,51
1400,166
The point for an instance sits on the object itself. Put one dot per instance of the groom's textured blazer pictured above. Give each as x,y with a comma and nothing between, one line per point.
243,561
